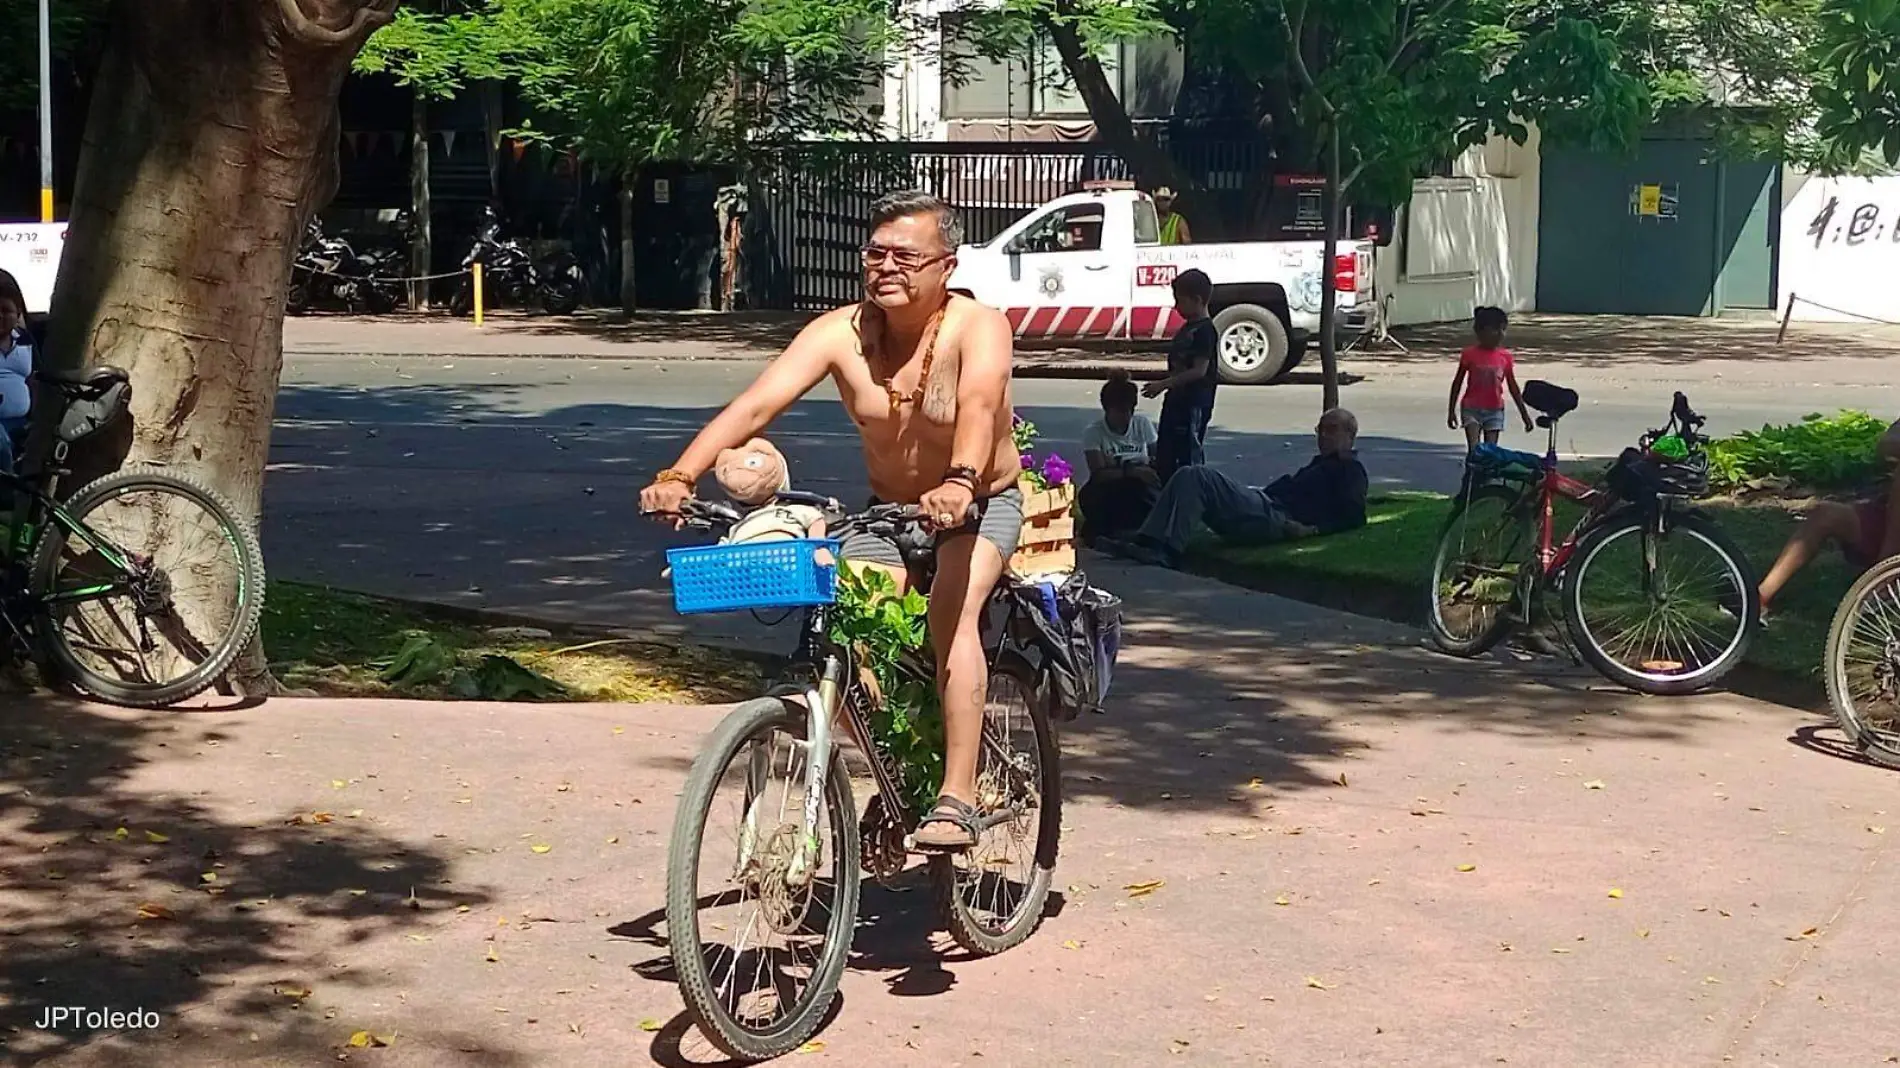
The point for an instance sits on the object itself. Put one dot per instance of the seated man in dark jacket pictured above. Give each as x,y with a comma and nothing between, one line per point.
1324,497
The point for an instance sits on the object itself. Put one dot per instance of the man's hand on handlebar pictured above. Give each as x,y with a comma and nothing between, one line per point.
947,507
664,501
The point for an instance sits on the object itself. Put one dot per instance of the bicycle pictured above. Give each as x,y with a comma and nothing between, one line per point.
1625,573
1863,663
798,849
100,611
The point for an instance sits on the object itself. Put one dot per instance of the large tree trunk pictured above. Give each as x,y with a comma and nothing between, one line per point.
213,136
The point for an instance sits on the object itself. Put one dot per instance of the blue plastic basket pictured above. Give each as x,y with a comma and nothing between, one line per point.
770,574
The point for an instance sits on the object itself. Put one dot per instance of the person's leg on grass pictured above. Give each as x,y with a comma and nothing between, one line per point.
1192,497
968,568
1829,521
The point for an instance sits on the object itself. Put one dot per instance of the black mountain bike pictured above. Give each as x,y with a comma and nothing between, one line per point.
142,588
763,868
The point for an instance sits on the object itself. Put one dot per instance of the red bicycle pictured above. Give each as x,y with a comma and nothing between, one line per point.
1655,596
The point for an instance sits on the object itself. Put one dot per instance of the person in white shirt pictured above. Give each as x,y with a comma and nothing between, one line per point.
16,367
1119,448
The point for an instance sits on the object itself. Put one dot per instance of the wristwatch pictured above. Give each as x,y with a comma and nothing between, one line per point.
962,473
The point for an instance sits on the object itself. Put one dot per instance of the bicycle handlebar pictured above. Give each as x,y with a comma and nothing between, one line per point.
884,520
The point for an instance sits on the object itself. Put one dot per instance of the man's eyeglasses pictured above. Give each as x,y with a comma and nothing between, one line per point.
906,260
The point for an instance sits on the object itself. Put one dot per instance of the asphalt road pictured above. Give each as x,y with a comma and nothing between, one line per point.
508,482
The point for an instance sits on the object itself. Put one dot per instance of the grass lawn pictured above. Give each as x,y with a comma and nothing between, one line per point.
335,643
1382,569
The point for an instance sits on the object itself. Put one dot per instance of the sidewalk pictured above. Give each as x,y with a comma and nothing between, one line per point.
1620,348
1258,752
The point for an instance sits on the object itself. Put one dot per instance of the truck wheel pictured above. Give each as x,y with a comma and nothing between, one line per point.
1253,345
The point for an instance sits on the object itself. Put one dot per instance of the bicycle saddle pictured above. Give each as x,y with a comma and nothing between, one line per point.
1552,400
84,379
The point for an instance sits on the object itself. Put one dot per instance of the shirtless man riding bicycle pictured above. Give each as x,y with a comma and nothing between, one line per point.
925,376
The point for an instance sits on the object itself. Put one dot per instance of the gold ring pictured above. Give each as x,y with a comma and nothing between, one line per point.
944,518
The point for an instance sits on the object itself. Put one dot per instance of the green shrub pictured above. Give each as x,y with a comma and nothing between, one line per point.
1820,453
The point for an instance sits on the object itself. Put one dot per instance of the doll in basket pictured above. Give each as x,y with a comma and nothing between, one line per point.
753,475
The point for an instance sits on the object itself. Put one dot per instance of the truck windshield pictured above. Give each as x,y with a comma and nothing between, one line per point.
1147,225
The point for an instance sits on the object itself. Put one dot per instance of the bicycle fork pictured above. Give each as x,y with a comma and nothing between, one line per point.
821,703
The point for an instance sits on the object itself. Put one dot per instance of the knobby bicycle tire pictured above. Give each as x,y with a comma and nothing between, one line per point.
1879,746
1692,525
728,740
964,927
57,649
1494,632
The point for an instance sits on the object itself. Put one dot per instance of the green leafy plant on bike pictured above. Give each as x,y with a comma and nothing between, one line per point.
1820,452
1047,473
881,627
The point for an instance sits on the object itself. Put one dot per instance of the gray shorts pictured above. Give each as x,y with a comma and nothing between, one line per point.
1484,418
999,522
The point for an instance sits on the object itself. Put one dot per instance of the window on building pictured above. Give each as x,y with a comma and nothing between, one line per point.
1145,74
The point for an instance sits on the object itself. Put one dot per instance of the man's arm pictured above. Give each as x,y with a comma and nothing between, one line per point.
800,367
1187,235
1347,510
982,382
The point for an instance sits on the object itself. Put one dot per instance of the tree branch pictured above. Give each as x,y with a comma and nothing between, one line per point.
1410,36
369,17
1295,35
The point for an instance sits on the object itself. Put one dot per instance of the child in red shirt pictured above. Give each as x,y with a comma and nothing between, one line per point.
1485,369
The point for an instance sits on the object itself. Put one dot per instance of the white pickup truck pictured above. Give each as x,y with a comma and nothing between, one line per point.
1091,265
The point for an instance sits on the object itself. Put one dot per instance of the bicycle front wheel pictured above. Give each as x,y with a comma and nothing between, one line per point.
993,894
758,918
153,595
1863,663
1661,613
1477,571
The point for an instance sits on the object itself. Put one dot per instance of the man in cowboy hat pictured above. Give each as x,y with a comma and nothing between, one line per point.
1174,226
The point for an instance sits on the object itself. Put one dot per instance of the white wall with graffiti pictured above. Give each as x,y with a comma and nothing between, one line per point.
1840,248
1467,239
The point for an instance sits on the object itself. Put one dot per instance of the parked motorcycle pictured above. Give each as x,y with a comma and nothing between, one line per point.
329,270
511,276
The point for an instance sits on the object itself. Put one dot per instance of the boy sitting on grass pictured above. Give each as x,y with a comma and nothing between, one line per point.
1867,532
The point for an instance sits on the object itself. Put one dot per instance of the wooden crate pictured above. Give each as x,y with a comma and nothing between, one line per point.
1048,541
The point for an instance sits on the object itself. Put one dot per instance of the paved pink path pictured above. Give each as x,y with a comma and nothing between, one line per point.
1729,827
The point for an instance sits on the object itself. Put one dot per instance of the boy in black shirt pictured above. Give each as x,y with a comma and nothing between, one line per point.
1191,380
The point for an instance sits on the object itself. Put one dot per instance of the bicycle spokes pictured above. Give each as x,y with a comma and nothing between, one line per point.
994,877
1662,604
1871,660
762,923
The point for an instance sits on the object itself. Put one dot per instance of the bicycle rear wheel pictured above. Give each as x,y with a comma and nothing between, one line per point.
1863,663
1477,571
993,894
178,613
760,950
1666,613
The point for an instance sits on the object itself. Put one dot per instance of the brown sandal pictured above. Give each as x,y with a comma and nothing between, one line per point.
952,813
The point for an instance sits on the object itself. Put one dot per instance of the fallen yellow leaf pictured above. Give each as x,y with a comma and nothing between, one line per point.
814,1046
1616,893
292,991
121,834
1809,933
1593,784
613,839
337,784
208,877
1144,889
1877,830
1342,779
1254,784
538,848
1071,944
1283,900
154,912
1642,932
358,893
1314,982
154,836
620,730
1467,867
646,1025
493,957
365,1040
564,788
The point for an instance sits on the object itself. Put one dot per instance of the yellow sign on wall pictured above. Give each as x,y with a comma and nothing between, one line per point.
1649,200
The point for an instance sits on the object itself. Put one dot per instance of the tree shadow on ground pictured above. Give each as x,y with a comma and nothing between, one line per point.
119,893
1600,341
765,330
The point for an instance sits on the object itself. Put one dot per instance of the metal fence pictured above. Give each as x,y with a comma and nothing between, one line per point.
815,199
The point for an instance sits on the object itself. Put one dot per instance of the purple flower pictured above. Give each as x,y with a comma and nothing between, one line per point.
1056,471
1028,461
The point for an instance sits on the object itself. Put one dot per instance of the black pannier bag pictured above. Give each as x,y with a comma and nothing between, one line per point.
1078,629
